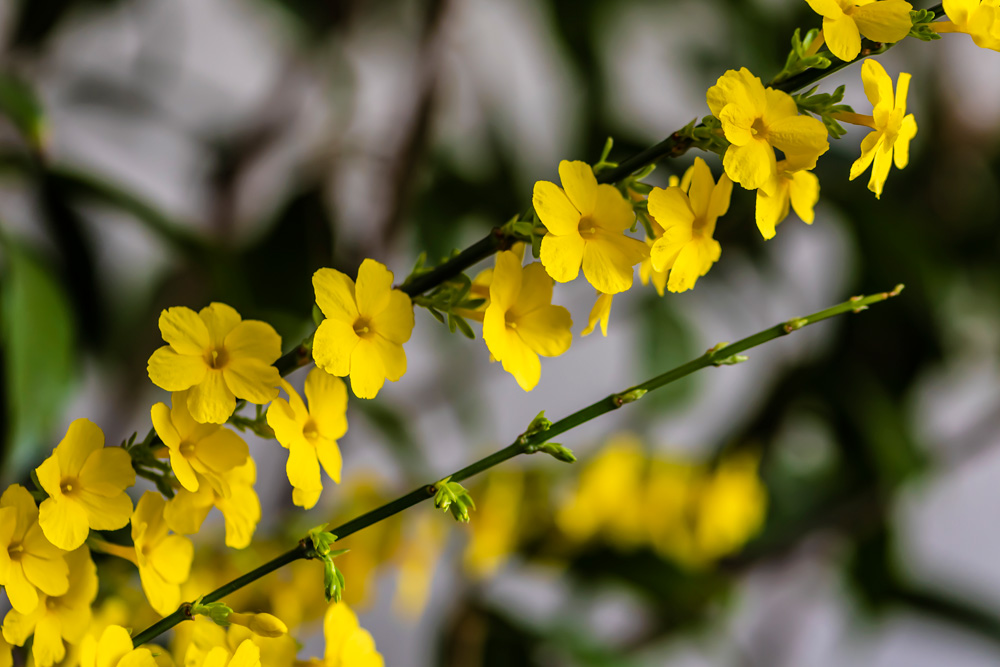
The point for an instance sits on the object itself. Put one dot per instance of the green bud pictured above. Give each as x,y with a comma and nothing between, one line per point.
217,612
333,581
454,498
631,396
558,452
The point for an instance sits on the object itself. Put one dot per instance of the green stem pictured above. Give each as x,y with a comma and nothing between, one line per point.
716,356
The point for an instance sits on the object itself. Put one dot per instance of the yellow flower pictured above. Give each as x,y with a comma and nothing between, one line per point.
247,655
601,312
980,19
586,225
495,530
164,560
521,322
608,496
197,450
647,273
6,655
845,21
186,511
219,357
687,247
310,434
894,128
347,643
758,120
799,188
114,649
57,618
86,483
29,563
365,327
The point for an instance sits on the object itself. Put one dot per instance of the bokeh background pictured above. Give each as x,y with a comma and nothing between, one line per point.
200,150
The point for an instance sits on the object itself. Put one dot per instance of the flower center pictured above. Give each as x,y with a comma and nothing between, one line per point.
510,319
310,431
587,227
68,486
758,129
363,327
217,358
51,603
15,551
186,449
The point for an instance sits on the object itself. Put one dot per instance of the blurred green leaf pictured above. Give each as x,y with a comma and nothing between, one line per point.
666,342
39,350
21,106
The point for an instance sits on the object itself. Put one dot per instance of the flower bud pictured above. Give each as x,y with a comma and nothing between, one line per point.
262,625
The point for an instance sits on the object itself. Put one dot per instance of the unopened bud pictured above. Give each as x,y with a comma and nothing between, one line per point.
262,625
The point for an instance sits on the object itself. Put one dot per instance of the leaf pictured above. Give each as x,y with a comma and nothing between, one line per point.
39,345
21,106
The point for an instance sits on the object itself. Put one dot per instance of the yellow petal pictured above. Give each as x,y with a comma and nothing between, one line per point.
330,459
395,322
741,88
172,558
107,472
367,370
692,262
113,645
770,210
184,331
901,149
140,657
702,185
83,438
253,339
611,210
804,193
163,596
878,85
302,467
333,346
608,262
842,37
164,425
664,252
495,331
737,123
506,285
826,8
373,287
884,21
902,89
64,522
718,203
306,498
327,403
175,372
880,171
600,312
520,361
211,401
335,295
670,206
50,478
47,647
105,513
339,623
868,146
247,655
222,451
359,649
780,105
287,429
252,379
242,512
22,595
580,184
186,511
554,209
536,290
220,319
801,136
546,330
18,627
562,256
959,10
393,357
752,166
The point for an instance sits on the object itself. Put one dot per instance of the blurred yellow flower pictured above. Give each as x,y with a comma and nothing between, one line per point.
347,643
310,433
980,19
601,312
186,511
114,649
29,563
846,21
365,327
57,618
688,216
794,186
494,533
86,483
521,322
417,559
208,451
247,654
755,121
586,225
164,560
893,127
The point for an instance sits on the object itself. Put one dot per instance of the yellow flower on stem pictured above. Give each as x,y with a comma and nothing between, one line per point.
114,649
57,618
206,451
687,247
795,187
164,560
980,19
218,356
521,322
756,120
310,433
86,483
29,563
365,327
846,21
186,511
893,127
601,312
586,225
